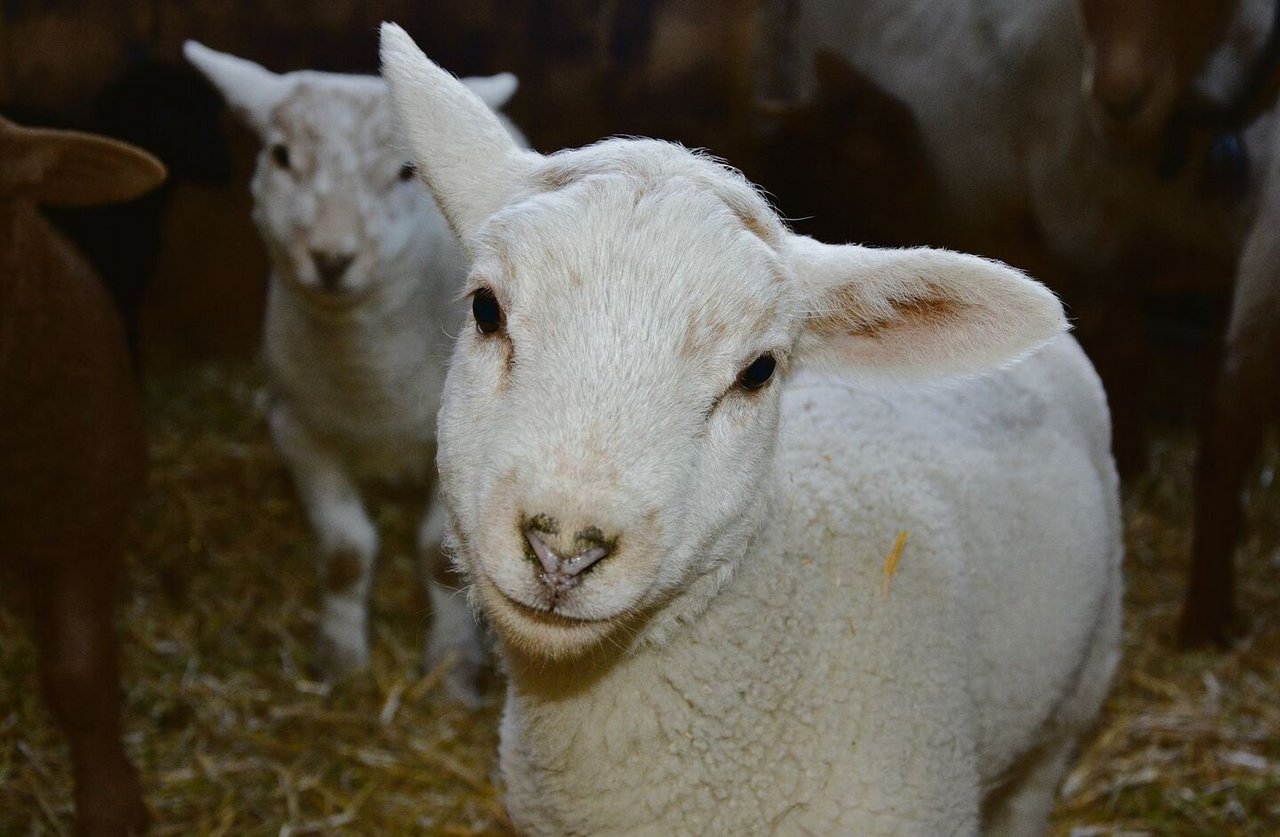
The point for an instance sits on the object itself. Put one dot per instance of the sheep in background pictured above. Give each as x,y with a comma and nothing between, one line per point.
736,593
1141,60
360,314
72,452
849,138
1211,124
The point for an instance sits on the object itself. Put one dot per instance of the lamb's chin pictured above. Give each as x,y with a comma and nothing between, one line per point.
544,635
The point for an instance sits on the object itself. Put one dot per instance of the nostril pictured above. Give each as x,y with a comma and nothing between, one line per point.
583,560
558,570
331,266
549,560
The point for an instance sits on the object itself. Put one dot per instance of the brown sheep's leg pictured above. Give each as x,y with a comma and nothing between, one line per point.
1243,401
80,677
1232,435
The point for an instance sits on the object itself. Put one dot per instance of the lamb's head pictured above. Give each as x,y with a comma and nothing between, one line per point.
335,196
609,419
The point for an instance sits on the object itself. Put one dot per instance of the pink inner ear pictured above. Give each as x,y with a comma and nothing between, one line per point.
845,313
930,335
918,312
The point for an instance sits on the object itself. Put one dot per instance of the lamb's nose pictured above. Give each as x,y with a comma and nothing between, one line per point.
331,266
559,572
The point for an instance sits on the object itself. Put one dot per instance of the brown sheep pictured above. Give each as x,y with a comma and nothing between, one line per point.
72,452
1143,59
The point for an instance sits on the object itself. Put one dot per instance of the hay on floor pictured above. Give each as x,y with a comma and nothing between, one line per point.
236,736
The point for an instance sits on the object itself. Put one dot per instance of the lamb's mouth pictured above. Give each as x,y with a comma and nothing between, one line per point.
338,296
539,633
544,615
553,618
334,297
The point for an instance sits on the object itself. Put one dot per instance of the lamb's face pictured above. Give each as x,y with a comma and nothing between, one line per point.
336,201
611,407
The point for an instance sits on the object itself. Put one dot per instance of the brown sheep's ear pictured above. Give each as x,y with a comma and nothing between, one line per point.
69,168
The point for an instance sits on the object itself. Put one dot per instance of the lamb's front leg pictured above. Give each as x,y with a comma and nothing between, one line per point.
455,638
346,542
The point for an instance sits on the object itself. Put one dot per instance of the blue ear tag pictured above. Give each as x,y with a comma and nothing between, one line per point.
1226,166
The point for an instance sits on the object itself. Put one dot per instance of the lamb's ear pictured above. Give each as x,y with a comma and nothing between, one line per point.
495,91
464,155
250,89
918,313
69,168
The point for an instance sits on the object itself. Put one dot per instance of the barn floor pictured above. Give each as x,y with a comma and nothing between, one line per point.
234,736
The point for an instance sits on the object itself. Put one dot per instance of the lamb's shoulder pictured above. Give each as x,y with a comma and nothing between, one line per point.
995,483
1002,488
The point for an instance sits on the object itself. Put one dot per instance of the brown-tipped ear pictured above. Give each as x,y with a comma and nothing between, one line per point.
70,168
917,313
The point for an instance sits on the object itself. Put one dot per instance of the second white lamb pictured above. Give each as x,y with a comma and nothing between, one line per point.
360,317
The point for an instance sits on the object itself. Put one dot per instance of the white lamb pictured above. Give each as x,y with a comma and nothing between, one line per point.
690,537
360,316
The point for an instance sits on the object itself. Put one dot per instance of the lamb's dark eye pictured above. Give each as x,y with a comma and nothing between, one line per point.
280,154
758,373
407,171
487,311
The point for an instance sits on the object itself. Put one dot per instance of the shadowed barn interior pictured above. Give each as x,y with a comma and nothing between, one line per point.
230,723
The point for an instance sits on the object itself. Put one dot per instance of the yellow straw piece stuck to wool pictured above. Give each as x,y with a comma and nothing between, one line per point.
891,561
